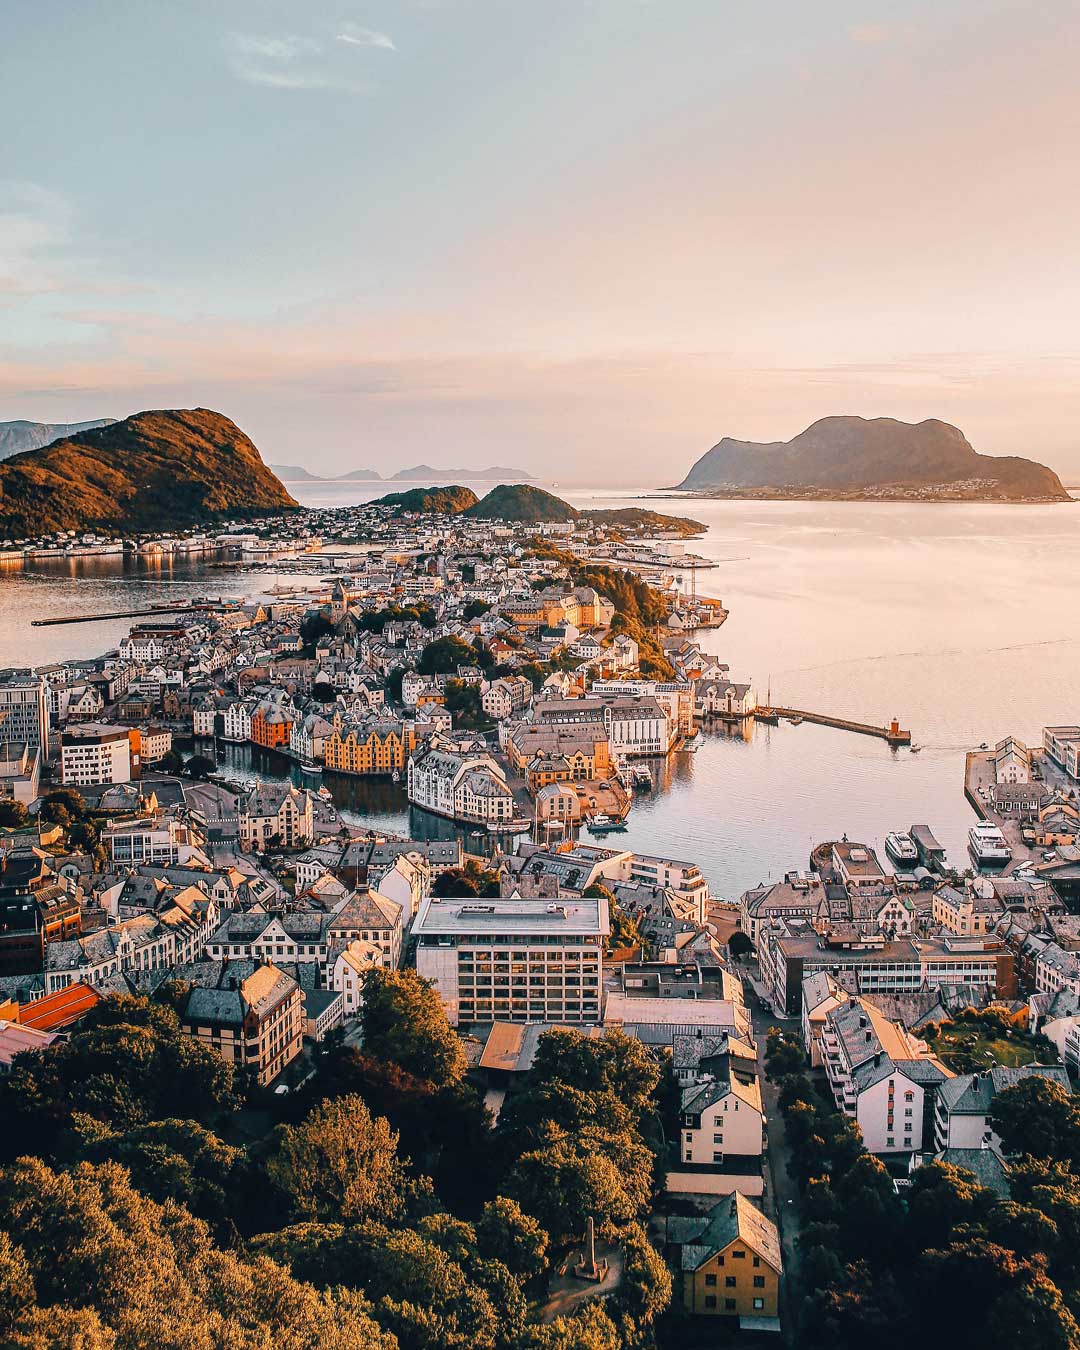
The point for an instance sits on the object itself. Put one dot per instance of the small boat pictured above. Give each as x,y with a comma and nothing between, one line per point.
983,746
915,749
309,766
602,824
796,720
325,794
643,779
396,776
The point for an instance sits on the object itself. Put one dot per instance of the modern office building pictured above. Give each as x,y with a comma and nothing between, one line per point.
24,709
514,960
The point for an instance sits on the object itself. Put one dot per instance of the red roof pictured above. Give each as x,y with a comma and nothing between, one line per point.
60,1009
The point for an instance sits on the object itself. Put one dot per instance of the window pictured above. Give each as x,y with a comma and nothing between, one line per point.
739,1255
710,1300
759,1281
759,1303
729,1305
757,1262
710,1281
729,1281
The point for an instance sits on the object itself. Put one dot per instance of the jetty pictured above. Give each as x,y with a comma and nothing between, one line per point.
893,734
146,612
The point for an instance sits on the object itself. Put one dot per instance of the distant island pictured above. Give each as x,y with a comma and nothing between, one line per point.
521,504
15,437
425,473
419,473
855,458
157,470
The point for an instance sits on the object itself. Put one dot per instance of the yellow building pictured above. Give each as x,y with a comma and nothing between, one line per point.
373,750
730,1262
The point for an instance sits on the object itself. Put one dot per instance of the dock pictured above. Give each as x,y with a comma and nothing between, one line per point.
181,607
893,734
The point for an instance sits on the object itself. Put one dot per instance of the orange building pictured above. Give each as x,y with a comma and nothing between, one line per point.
374,750
271,726
731,1263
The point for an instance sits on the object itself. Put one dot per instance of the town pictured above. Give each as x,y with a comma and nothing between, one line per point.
750,1068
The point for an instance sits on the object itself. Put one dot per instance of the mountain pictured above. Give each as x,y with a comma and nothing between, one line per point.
426,474
362,475
439,501
15,437
876,457
294,473
523,505
154,471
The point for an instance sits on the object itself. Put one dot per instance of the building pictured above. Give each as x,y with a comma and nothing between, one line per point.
271,724
293,939
34,916
16,1039
1012,761
730,1263
371,917
514,960
349,966
1062,744
963,1105
93,753
149,840
382,747
466,786
20,771
967,913
882,1077
256,1023
24,710
722,1117
275,815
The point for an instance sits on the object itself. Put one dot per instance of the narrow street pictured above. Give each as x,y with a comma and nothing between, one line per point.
781,1197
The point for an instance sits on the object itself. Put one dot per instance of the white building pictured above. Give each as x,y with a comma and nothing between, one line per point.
349,966
275,814
514,960
722,1117
237,721
963,1105
462,785
147,841
94,753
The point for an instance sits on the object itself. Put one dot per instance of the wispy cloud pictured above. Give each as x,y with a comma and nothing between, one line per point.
353,35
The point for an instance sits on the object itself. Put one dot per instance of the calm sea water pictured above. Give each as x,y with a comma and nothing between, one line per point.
960,620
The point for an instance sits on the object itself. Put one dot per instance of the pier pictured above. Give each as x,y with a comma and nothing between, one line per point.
181,607
893,734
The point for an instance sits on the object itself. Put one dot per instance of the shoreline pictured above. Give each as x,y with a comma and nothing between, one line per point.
861,497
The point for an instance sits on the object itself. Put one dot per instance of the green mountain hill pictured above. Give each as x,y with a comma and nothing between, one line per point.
440,501
522,504
154,471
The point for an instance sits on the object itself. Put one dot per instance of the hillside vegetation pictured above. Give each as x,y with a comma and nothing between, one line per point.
519,503
440,501
153,471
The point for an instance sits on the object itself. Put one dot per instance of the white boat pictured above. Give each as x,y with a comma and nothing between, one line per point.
901,849
643,779
602,824
251,785
914,748
988,845
309,766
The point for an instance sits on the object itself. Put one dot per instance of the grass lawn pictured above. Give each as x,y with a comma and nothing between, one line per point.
965,1048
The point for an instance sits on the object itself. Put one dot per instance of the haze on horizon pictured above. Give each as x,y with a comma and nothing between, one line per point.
586,237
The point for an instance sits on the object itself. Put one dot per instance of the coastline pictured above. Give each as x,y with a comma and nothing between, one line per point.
872,495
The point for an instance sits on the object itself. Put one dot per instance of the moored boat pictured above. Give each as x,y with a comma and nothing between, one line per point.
987,845
901,850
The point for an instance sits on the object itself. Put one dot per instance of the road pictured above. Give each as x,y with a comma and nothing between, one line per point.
782,1195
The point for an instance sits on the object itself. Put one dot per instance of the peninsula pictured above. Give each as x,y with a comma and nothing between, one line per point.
156,470
15,437
842,458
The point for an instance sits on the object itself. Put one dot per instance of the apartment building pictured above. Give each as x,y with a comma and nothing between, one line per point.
881,1076
514,960
24,709
255,1023
722,1117
1062,744
275,813
729,1263
466,786
374,748
161,840
963,1105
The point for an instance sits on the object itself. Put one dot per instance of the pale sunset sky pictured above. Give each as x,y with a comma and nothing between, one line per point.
585,237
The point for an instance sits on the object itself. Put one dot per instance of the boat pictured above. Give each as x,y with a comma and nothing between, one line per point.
643,779
988,846
309,766
914,748
516,826
325,794
602,824
251,785
902,851
396,776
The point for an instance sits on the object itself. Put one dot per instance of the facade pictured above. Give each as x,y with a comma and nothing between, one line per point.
378,748
963,1105
1062,744
94,753
255,1024
371,917
349,966
730,1263
514,960
24,710
20,771
275,813
722,1117
146,841
464,786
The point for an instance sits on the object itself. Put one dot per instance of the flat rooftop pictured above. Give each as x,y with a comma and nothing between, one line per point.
571,918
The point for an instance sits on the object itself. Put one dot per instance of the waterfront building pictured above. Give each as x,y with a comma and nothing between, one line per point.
275,814
464,785
1062,744
514,960
377,748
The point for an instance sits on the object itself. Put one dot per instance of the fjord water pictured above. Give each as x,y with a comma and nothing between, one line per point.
961,620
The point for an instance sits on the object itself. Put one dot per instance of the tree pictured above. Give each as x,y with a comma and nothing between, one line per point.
200,766
645,1290
324,693
943,1199
84,834
172,761
1037,1116
341,1164
454,883
568,1179
314,626
62,805
404,1021
506,1233
13,814
739,945
445,654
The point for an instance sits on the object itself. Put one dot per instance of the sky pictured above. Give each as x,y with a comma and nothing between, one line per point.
588,238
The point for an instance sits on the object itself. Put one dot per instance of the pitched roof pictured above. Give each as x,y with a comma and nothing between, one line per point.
734,1219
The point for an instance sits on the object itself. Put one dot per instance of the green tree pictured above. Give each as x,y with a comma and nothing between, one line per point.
200,766
13,814
506,1233
1037,1116
341,1163
645,1289
568,1179
445,654
62,805
404,1021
